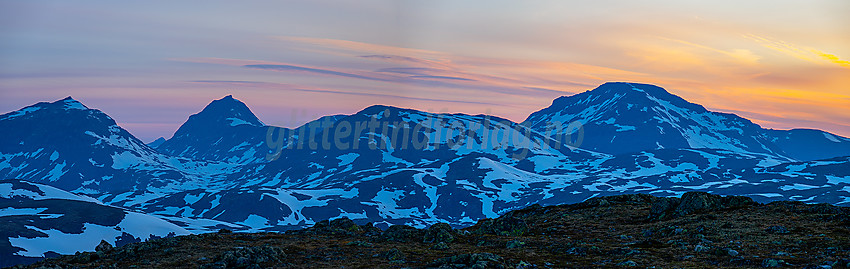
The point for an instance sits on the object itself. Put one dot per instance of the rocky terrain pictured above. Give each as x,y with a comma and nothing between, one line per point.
698,230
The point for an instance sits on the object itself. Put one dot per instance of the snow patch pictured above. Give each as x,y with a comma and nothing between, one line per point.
831,137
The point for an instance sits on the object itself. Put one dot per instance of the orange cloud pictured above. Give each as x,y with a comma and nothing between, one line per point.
831,58
803,53
739,76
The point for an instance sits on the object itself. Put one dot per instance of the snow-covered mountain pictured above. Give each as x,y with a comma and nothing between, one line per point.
70,146
623,117
419,157
225,130
225,169
480,162
43,221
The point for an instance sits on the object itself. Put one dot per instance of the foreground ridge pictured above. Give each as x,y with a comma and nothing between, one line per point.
695,231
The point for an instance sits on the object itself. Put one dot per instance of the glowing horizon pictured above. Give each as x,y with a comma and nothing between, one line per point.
781,64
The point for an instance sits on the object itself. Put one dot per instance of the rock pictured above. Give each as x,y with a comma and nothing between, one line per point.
732,252
631,199
663,206
772,263
578,251
103,246
523,265
624,252
777,229
692,202
402,233
248,256
321,224
597,203
701,248
369,230
359,244
649,243
506,226
440,246
344,225
476,260
627,263
392,255
224,231
340,226
824,209
440,232
781,253
695,202
514,244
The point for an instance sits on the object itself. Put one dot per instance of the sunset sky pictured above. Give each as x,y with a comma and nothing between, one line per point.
150,64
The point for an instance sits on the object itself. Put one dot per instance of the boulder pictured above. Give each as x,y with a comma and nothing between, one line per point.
696,202
440,232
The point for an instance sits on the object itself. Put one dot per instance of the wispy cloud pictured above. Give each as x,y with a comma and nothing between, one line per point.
705,73
831,58
800,52
409,60
515,56
302,69
356,47
452,80
744,56
291,87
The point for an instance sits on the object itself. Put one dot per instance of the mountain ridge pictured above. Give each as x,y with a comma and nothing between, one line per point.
409,167
646,117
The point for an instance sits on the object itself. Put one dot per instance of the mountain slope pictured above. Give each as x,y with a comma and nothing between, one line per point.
157,142
809,145
38,220
413,167
408,138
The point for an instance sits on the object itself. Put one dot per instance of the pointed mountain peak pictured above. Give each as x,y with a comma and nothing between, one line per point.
71,103
225,130
227,111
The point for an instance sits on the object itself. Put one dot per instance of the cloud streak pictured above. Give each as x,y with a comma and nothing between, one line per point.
700,72
510,58
290,87
802,53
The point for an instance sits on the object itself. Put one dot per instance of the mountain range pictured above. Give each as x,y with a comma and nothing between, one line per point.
224,168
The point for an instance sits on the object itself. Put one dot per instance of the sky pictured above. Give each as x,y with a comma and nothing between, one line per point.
151,64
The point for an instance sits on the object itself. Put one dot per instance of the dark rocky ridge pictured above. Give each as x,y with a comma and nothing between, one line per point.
699,230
